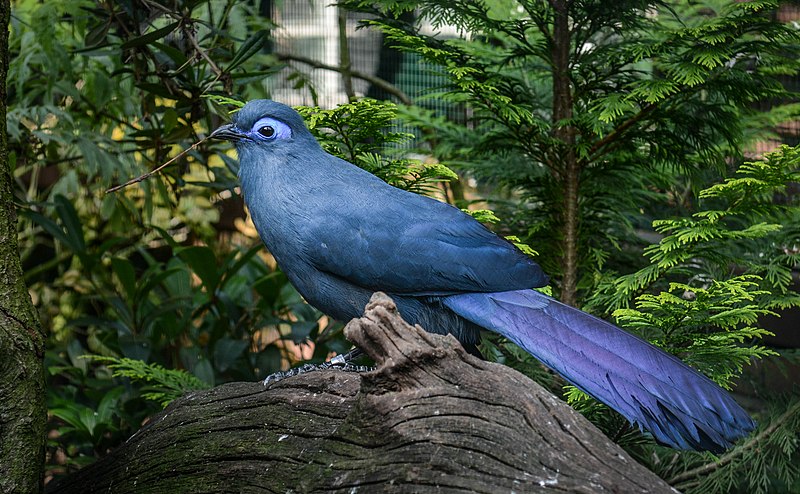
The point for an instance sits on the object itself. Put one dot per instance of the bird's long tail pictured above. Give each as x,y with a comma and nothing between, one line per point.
651,388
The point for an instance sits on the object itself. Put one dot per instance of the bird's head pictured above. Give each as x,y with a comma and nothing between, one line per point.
263,123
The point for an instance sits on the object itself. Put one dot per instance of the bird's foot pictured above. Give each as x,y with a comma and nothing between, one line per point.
339,362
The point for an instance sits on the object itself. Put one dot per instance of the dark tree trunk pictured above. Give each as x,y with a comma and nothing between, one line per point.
345,66
566,162
22,394
430,418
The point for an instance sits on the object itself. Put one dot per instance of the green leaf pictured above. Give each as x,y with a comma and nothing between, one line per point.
126,276
204,371
227,351
72,224
69,415
169,120
50,227
177,56
241,262
151,36
203,262
88,420
249,48
301,330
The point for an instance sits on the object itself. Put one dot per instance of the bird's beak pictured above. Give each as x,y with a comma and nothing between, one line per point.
227,132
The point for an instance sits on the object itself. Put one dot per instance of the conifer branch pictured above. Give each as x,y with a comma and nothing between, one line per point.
618,131
727,458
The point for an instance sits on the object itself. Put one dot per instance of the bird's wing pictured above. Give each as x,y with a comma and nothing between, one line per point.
401,242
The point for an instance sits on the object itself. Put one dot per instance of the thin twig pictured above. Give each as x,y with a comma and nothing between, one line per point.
752,442
153,172
187,32
377,81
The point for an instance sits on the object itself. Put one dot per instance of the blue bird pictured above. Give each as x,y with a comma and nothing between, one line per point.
340,234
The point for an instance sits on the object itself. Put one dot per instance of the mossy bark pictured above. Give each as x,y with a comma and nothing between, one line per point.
23,412
430,418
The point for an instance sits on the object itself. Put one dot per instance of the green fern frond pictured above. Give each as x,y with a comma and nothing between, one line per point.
483,215
161,385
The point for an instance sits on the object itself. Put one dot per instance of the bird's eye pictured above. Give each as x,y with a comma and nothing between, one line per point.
271,129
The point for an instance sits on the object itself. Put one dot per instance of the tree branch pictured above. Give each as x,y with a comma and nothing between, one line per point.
618,131
345,66
429,415
377,81
749,444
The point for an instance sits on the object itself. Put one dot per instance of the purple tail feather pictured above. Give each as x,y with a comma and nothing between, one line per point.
651,388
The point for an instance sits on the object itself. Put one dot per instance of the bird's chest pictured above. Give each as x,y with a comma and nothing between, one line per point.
278,221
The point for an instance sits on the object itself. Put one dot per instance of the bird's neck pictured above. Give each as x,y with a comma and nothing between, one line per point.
280,192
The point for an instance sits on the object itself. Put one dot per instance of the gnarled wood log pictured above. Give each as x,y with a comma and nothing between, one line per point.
430,418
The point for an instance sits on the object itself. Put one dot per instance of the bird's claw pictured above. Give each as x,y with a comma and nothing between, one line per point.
281,375
336,363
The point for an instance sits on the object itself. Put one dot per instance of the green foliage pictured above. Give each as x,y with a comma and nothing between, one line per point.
746,227
158,272
93,424
164,274
661,98
765,462
769,458
710,328
225,100
661,93
161,385
712,320
357,132
90,412
489,217
483,215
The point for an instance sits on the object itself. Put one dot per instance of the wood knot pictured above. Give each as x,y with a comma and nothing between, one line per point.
380,299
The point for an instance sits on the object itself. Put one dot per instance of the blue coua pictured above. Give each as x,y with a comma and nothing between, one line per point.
340,234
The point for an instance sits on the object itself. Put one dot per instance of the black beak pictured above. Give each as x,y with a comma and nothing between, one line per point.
227,132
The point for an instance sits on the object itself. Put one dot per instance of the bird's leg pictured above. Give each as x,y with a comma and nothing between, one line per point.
345,359
339,362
